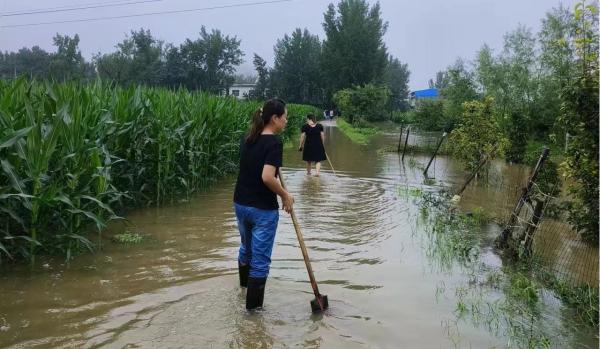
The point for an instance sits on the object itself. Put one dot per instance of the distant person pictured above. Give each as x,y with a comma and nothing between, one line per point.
331,114
255,198
325,115
312,144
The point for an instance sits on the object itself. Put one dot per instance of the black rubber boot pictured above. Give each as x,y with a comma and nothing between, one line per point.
244,271
256,293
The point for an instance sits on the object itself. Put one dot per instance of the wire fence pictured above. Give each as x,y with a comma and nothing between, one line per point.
535,224
539,228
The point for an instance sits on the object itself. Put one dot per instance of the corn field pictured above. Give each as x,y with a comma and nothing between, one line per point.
75,156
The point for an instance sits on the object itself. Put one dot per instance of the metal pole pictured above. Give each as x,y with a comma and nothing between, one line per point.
405,142
525,193
533,224
434,154
483,161
400,138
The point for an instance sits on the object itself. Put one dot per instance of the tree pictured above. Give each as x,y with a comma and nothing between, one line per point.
354,53
362,103
580,117
261,90
211,60
476,134
139,58
429,115
460,89
397,76
245,78
441,80
67,62
296,76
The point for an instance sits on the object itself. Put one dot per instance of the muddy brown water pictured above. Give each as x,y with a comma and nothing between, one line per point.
181,291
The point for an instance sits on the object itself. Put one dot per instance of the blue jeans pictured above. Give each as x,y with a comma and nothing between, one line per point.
257,230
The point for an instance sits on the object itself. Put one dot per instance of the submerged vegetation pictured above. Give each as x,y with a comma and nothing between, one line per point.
521,303
76,156
359,132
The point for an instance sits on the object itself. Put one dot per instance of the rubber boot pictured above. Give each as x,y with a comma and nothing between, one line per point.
256,293
244,271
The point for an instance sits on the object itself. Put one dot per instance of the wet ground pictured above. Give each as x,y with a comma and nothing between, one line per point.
182,290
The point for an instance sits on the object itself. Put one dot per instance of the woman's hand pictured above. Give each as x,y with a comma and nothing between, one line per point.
300,148
288,202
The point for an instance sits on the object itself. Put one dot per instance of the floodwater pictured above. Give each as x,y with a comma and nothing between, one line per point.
182,290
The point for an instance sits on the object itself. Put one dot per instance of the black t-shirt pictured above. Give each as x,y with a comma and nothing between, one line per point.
250,190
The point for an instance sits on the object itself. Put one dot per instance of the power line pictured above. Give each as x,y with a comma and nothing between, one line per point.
61,7
145,14
71,8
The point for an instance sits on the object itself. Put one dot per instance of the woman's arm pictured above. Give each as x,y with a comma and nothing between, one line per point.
302,139
268,177
323,137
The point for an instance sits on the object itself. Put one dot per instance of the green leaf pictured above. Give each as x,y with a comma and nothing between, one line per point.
16,182
27,238
592,9
25,196
99,221
64,199
13,215
14,137
2,248
100,203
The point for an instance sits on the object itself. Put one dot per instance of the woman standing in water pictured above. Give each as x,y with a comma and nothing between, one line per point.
312,143
255,198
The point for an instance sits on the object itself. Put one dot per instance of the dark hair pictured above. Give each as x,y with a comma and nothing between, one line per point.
262,117
311,117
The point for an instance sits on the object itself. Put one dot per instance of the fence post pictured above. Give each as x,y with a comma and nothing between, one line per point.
481,163
524,194
533,224
400,138
434,154
405,142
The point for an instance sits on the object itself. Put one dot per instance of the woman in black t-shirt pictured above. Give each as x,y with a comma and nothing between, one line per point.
312,143
255,198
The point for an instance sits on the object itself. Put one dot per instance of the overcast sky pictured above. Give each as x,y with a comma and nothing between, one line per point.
427,34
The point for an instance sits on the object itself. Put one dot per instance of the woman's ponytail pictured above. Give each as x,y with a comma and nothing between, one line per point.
258,125
262,117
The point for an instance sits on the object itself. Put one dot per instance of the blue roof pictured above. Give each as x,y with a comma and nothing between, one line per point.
429,93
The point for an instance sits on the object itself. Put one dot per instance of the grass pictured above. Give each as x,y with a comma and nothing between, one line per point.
505,301
358,135
74,157
131,238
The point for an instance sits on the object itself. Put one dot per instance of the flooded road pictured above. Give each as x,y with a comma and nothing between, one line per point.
182,290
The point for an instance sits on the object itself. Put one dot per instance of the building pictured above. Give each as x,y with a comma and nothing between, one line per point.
421,94
240,91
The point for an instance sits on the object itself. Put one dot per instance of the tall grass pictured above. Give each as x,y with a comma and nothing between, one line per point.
76,156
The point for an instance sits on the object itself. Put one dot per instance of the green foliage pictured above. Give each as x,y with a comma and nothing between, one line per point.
207,63
460,89
404,118
366,103
73,156
429,115
354,53
476,134
131,238
517,138
295,76
580,118
65,64
441,81
357,133
397,76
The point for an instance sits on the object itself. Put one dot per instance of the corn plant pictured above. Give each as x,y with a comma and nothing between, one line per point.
74,155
